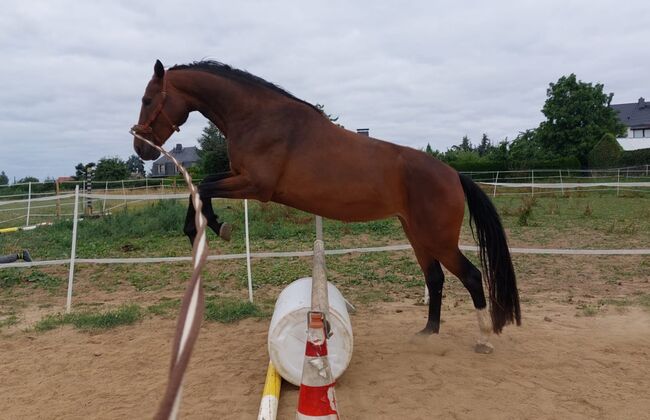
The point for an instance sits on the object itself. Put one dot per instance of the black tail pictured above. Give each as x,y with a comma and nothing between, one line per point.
495,256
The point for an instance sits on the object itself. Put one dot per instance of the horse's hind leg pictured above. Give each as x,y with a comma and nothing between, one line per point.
470,276
435,279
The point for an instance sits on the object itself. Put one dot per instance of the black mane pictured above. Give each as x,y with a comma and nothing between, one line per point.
225,70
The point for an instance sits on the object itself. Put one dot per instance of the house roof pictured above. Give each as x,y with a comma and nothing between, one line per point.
182,154
634,143
634,115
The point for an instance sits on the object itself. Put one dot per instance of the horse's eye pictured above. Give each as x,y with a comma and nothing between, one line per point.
146,101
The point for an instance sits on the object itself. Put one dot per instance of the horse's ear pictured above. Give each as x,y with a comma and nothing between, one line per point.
159,69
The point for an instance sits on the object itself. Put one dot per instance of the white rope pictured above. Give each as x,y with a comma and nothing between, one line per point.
292,254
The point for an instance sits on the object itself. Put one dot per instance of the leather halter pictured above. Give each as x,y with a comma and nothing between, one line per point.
146,127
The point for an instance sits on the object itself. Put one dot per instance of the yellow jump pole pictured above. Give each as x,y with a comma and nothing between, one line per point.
271,395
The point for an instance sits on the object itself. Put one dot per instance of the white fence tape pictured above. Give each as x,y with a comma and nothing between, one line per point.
289,254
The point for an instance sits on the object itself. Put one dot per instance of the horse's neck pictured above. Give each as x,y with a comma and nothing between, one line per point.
219,99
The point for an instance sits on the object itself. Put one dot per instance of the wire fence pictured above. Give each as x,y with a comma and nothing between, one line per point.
103,202
30,203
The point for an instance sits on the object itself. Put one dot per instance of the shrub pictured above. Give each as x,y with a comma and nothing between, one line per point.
606,153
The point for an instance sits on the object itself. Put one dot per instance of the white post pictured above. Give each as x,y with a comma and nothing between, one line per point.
124,193
532,182
561,183
73,251
146,185
618,182
496,181
248,253
105,195
319,228
29,203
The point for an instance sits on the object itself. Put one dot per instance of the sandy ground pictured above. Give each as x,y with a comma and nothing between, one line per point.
557,366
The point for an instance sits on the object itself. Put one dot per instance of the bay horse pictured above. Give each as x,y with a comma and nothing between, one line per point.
285,150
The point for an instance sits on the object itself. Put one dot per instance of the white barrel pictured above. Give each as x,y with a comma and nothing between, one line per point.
288,331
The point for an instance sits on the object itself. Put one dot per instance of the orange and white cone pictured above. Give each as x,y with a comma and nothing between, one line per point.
317,399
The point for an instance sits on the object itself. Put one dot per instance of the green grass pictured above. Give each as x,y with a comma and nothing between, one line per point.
165,308
92,321
12,277
228,310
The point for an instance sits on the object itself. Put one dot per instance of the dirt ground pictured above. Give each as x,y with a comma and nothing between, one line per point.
556,366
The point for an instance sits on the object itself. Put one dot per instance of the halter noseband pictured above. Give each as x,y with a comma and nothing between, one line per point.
146,127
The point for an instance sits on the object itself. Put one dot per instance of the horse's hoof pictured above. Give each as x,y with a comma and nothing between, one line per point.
483,348
426,331
225,231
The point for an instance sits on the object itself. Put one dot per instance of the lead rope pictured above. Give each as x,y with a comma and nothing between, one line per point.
192,305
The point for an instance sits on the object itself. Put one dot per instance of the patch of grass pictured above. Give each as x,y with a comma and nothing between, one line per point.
614,302
9,321
525,211
166,307
92,321
229,310
588,310
644,300
10,277
372,295
45,281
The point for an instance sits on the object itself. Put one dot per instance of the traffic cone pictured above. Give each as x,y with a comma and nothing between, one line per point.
317,399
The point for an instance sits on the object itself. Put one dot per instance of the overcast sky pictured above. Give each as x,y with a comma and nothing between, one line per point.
72,72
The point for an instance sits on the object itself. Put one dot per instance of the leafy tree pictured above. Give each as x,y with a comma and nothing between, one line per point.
526,147
465,145
485,145
577,116
213,150
4,179
80,170
606,153
111,169
135,165
28,179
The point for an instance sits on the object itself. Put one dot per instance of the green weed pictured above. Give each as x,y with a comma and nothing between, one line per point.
229,310
92,321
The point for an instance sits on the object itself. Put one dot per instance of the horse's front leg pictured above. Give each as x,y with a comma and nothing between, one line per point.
223,230
238,186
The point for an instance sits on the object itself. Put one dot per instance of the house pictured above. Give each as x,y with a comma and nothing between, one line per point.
636,116
187,156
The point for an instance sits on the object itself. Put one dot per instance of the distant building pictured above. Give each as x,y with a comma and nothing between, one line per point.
636,116
364,131
187,156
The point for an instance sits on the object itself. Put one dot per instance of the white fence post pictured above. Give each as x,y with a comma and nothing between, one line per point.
73,251
124,193
496,181
618,182
532,182
29,203
248,253
561,183
105,194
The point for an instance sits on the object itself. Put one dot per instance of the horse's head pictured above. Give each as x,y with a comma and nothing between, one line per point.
160,115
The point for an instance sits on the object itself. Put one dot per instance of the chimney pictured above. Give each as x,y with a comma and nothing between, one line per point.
178,148
364,131
641,103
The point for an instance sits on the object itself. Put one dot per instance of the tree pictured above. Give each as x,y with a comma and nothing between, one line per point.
80,170
28,179
4,179
111,169
606,153
135,165
577,116
485,145
213,150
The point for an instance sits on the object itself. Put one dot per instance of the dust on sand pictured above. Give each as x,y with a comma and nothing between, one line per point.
556,366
